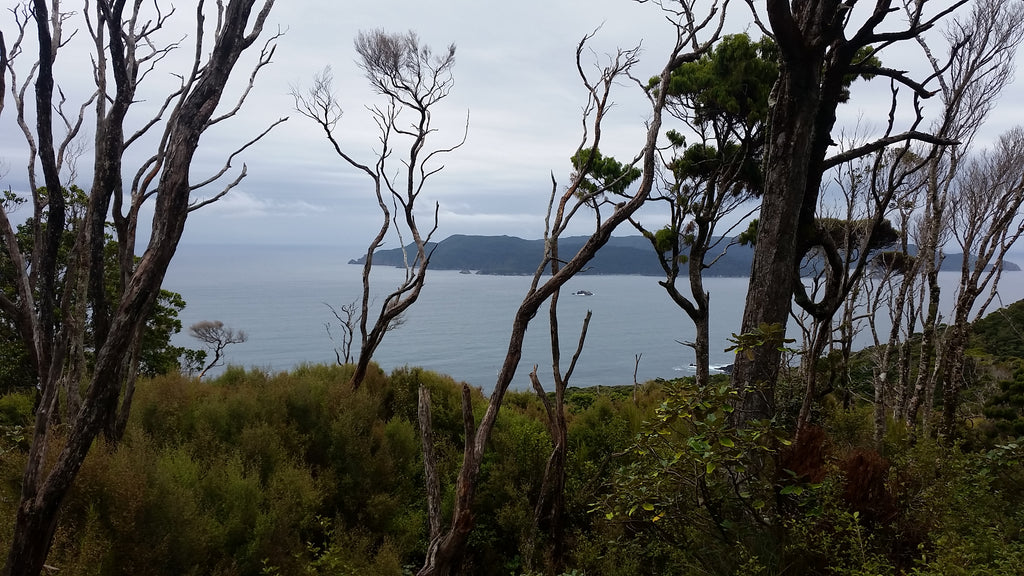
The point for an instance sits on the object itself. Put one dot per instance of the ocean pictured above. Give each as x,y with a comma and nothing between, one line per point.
278,295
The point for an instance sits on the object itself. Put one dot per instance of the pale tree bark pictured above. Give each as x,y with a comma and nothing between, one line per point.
116,325
984,45
414,80
888,288
818,46
986,224
444,552
930,254
845,246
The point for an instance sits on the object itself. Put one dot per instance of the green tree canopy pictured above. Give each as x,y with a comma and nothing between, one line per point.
730,84
727,91
156,355
604,173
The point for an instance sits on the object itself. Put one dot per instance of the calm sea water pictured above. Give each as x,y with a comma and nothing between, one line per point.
460,325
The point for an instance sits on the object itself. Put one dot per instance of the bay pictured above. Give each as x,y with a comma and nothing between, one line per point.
460,325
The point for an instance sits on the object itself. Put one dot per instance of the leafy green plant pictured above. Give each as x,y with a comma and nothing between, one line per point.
693,478
831,539
773,335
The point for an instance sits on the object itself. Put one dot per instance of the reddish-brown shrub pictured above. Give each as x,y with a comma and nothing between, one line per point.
806,457
865,487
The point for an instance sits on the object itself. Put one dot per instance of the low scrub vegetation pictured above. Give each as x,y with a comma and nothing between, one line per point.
299,473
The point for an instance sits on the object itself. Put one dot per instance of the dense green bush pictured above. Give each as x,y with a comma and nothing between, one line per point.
1005,409
296,473
256,473
999,333
16,409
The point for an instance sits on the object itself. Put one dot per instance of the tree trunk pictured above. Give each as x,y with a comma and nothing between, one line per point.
885,391
362,366
784,209
926,370
702,301
30,545
429,463
46,483
904,362
953,379
118,421
549,511
445,550
819,339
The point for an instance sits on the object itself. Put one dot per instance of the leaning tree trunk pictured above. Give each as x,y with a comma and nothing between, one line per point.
445,551
45,484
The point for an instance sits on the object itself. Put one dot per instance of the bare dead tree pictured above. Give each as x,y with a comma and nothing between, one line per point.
983,45
446,550
48,308
986,223
217,337
347,317
414,80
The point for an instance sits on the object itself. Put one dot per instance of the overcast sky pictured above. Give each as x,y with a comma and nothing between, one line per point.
515,77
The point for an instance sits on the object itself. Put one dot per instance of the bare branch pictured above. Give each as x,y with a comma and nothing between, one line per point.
226,167
897,75
265,58
320,104
579,347
883,143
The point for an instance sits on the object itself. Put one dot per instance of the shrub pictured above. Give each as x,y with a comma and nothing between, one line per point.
17,409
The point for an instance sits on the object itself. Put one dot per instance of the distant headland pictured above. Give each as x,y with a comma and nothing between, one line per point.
511,256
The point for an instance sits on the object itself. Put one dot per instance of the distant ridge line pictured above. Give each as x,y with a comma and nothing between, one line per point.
632,255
